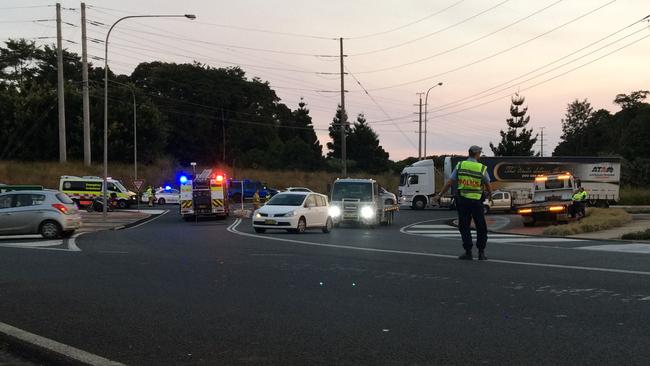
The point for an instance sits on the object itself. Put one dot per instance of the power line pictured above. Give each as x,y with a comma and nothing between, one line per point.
406,25
431,34
547,80
258,30
183,38
480,95
499,52
380,107
27,7
466,43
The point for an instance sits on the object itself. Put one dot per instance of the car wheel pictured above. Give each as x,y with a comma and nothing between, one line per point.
302,225
50,229
122,204
260,230
419,204
328,225
486,209
161,201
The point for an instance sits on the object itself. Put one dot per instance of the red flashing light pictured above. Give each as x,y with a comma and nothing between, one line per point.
219,178
61,208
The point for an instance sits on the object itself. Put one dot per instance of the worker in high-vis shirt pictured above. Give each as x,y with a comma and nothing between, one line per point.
578,206
471,179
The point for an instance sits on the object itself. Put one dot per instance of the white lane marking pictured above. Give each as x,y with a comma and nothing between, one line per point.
13,237
72,242
26,244
153,212
149,220
451,232
68,352
233,229
429,227
623,248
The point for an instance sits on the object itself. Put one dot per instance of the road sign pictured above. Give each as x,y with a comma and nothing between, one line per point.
138,183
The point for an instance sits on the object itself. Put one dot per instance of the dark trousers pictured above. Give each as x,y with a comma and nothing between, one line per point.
468,210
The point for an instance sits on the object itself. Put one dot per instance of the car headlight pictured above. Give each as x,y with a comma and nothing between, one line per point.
290,214
257,215
367,212
335,211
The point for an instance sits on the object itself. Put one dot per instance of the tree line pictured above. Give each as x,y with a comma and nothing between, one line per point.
186,112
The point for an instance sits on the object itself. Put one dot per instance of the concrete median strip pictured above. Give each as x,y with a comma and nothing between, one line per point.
50,351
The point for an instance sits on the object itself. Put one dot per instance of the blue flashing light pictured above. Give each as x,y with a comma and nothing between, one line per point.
168,188
183,179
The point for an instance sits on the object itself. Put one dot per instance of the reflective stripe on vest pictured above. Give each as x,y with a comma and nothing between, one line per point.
470,175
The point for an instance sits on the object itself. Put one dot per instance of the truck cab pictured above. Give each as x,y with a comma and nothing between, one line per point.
417,185
361,201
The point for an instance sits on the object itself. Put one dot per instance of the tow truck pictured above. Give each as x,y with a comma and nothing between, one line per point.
361,201
551,199
204,195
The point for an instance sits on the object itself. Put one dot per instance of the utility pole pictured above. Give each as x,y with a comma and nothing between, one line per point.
344,119
59,89
84,88
223,132
420,128
542,142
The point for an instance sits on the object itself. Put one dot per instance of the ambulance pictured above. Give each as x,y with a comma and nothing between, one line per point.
82,190
204,195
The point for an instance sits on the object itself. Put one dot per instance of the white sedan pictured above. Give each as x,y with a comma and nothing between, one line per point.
294,212
164,195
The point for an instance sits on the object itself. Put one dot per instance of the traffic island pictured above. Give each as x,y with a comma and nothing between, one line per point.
115,220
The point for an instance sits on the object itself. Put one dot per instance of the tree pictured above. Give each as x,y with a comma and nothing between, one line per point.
513,142
574,124
364,148
632,100
301,128
335,133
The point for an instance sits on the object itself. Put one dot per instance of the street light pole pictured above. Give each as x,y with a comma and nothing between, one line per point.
135,128
189,16
426,104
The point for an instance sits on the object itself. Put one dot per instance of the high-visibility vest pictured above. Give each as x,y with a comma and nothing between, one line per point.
470,175
580,196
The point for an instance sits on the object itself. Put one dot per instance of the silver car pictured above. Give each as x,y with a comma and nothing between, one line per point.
47,212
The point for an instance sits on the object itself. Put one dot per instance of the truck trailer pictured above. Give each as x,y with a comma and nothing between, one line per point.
600,176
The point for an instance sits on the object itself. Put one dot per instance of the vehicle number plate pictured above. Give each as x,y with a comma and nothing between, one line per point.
270,222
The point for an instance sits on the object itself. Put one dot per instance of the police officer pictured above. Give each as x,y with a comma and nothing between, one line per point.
470,177
256,199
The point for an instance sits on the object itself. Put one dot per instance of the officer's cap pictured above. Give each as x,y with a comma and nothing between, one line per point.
475,149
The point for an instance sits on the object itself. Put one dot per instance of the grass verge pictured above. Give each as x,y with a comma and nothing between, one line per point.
635,196
160,173
597,219
639,235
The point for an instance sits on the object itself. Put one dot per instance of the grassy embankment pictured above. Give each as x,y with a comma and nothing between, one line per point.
47,174
635,196
597,219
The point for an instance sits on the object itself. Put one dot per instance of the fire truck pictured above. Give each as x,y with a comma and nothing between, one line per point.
205,195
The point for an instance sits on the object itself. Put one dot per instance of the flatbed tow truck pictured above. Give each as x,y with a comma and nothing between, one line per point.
551,199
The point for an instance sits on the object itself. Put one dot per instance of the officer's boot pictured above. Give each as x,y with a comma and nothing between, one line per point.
467,256
481,255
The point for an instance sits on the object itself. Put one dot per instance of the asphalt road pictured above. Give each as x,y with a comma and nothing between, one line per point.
215,293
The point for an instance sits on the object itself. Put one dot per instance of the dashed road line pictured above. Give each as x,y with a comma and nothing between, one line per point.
621,248
451,232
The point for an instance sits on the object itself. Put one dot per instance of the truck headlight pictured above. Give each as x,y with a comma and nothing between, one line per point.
335,211
367,212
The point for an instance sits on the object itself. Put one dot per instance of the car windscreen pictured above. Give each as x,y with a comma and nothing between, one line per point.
63,198
287,200
120,187
352,190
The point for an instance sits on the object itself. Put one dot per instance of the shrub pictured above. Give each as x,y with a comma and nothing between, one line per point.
639,235
635,196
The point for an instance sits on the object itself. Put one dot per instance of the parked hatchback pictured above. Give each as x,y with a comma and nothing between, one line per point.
47,212
295,212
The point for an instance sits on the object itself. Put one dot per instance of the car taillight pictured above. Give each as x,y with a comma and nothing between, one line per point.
60,207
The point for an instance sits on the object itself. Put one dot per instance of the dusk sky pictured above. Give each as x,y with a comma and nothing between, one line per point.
552,51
